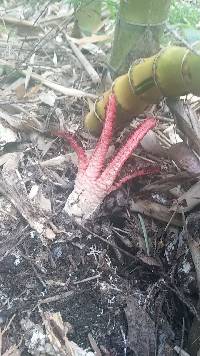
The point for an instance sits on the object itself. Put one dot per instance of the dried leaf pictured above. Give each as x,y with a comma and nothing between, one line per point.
13,187
12,351
48,98
180,351
12,109
141,329
151,144
155,210
168,183
57,333
26,28
188,200
172,134
29,71
151,261
55,59
94,345
39,199
20,91
184,157
6,134
24,124
90,39
188,123
35,338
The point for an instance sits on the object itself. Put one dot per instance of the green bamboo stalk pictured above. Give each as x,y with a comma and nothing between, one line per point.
138,30
88,15
172,72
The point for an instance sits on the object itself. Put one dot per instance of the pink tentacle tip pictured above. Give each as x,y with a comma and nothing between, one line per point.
72,141
96,179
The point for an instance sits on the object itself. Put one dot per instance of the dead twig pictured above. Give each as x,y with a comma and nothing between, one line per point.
85,63
94,345
56,297
20,23
88,279
57,87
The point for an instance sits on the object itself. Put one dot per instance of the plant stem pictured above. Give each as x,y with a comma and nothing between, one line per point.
138,29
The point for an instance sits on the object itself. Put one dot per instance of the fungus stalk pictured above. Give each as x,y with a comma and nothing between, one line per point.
96,179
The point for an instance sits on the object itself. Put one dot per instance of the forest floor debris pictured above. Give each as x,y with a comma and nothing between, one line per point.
68,289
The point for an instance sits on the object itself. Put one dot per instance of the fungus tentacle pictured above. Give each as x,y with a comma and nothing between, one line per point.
94,181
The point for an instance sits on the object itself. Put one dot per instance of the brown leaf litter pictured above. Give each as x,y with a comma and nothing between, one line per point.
125,284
